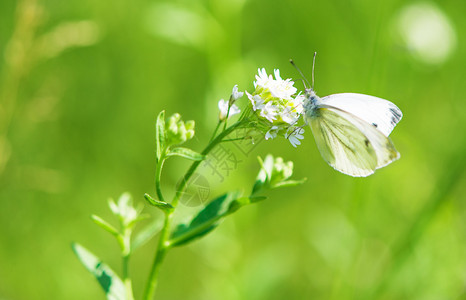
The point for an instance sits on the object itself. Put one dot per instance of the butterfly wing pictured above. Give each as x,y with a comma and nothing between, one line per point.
381,113
349,144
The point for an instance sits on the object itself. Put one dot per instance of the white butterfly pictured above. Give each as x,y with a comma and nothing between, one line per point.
351,130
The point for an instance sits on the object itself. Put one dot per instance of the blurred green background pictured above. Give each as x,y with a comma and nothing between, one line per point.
82,83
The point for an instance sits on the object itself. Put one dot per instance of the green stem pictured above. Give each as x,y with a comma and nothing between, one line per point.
126,279
125,266
162,249
129,289
232,140
164,240
125,244
215,131
158,174
124,239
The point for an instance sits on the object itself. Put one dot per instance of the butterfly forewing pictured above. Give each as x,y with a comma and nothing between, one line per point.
378,112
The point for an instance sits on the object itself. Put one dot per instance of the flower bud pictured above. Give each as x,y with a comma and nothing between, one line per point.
189,129
124,209
178,131
281,171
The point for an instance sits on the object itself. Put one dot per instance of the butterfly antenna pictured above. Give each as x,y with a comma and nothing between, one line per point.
313,65
301,73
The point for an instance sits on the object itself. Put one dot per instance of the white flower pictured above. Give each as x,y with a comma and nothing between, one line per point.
295,136
289,116
298,103
124,208
282,89
272,133
235,94
256,101
269,111
223,107
274,100
277,74
262,80
278,87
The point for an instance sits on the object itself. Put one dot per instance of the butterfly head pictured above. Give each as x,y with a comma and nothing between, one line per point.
310,93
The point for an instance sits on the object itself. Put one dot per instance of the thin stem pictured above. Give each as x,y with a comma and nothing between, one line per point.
164,240
232,140
124,239
226,118
215,131
126,279
125,244
125,266
162,249
158,174
129,289
230,103
210,146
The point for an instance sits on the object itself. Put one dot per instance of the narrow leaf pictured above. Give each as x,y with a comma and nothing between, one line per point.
289,183
110,282
103,224
166,207
186,153
160,134
258,186
240,202
205,221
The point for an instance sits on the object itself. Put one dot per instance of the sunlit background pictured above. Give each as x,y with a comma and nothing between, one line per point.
82,82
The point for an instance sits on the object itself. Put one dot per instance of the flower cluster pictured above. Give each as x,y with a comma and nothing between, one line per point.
275,103
275,172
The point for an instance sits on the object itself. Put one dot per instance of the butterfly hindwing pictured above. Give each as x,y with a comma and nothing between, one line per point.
378,112
350,144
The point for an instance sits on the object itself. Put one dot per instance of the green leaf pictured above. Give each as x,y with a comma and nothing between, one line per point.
205,221
289,183
186,153
160,134
166,207
110,282
240,202
147,233
103,224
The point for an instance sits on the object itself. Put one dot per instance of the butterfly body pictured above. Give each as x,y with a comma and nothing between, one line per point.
351,130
